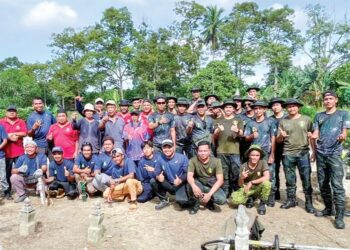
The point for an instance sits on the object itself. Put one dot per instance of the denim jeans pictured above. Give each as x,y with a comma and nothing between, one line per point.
302,162
3,182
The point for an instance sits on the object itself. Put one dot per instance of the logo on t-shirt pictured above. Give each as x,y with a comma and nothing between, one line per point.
302,124
18,127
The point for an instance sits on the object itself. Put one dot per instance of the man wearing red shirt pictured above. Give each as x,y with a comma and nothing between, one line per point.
63,135
124,111
16,129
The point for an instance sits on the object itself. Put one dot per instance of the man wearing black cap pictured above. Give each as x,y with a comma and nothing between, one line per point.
246,117
227,132
201,126
171,175
16,129
182,118
124,111
253,92
63,135
262,131
162,123
171,104
295,132
275,105
196,96
61,175
330,130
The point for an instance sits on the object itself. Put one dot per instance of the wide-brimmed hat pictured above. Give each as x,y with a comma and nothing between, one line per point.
111,102
276,100
237,98
229,102
171,98
253,87
257,148
182,101
260,104
200,102
89,107
194,89
215,104
124,102
293,101
211,95
248,99
99,99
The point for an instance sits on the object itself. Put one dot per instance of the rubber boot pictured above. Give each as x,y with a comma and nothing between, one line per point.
327,211
308,204
250,202
271,200
339,218
291,202
262,208
277,195
195,207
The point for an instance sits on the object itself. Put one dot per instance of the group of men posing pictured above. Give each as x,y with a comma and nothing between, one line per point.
203,151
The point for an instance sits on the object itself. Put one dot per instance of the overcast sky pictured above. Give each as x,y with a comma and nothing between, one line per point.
26,26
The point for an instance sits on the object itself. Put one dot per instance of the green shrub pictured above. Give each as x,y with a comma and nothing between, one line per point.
309,111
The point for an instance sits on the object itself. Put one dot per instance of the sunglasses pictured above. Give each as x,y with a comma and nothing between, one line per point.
161,103
247,104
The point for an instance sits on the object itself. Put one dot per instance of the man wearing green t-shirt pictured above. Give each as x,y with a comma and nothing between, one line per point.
295,132
227,133
205,178
253,179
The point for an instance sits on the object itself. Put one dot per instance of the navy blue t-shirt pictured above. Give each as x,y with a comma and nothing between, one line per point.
107,163
141,173
120,171
94,162
177,165
47,119
3,135
32,163
57,170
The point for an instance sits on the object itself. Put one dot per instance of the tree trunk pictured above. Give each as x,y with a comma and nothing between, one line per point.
276,81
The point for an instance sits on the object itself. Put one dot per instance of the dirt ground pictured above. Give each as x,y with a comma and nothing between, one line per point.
65,224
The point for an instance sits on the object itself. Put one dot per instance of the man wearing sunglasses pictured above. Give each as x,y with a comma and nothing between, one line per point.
162,123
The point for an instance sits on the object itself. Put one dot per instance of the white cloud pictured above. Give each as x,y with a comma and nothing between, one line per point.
49,13
259,78
300,19
301,59
277,6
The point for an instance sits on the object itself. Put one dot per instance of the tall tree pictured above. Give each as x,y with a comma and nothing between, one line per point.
240,38
327,43
113,42
212,25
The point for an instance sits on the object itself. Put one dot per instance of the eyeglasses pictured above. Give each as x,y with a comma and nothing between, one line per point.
161,103
247,104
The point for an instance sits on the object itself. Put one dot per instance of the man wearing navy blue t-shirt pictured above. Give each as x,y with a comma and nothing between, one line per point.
171,176
123,183
38,124
61,175
25,167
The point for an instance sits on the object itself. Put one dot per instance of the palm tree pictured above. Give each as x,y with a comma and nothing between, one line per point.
212,23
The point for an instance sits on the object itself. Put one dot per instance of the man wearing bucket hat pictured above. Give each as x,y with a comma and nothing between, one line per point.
136,103
253,91
262,131
163,124
330,131
182,118
215,110
253,179
124,111
209,99
23,172
171,104
239,103
227,132
98,107
112,124
201,126
196,96
88,127
295,132
275,105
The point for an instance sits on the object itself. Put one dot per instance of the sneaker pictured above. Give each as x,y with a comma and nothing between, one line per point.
162,204
20,198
